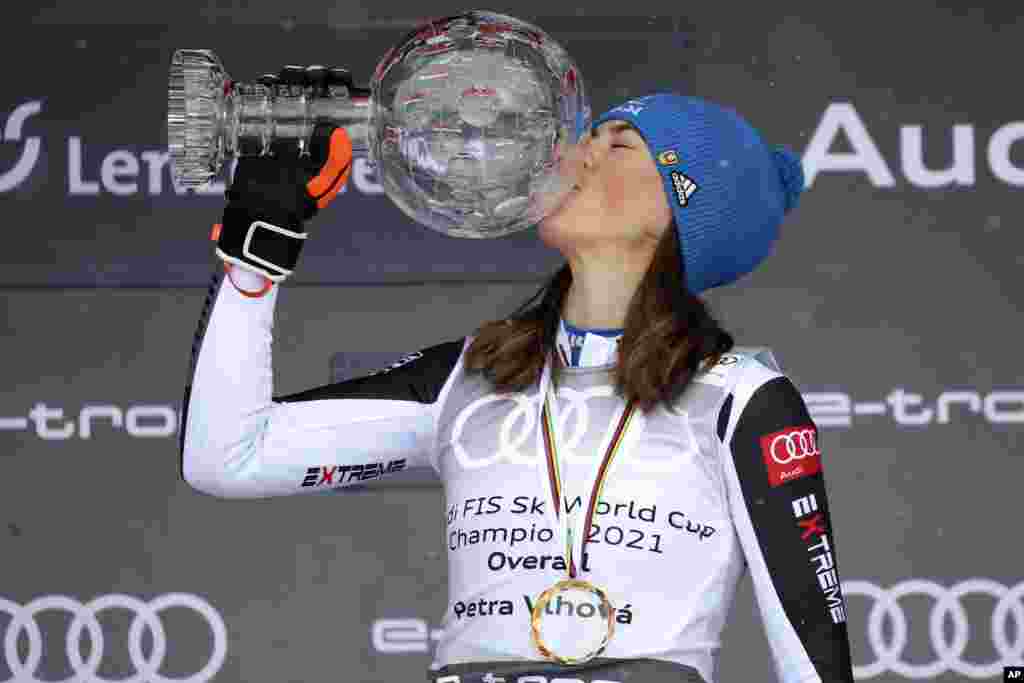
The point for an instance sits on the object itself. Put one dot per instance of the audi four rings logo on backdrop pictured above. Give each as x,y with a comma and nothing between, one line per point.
889,626
23,629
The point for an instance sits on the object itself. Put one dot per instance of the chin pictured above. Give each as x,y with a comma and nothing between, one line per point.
560,227
551,233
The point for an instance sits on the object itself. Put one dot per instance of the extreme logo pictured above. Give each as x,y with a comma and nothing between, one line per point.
811,523
336,475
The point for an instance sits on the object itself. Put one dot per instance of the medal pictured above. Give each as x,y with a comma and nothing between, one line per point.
573,620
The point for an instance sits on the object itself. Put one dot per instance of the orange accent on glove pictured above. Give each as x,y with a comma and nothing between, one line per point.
335,173
215,233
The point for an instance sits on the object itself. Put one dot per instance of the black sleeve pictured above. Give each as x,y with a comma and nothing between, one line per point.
417,377
779,504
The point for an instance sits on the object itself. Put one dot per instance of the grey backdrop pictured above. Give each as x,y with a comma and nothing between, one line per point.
892,300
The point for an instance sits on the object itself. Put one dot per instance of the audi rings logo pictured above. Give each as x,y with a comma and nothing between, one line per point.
791,454
949,652
85,617
477,444
793,445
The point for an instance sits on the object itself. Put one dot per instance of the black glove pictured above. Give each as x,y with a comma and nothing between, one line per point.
274,194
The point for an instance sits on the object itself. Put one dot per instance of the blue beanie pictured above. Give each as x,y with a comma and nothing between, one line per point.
727,189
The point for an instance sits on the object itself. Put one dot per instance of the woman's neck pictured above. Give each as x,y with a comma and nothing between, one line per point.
599,295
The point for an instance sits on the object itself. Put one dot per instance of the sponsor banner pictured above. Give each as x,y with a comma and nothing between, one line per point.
841,121
52,422
908,408
948,617
902,406
60,421
149,640
403,635
84,153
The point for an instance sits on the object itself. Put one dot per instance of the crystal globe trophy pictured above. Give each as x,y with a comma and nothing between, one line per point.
468,121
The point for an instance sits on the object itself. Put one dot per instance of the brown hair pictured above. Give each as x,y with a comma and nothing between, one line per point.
668,332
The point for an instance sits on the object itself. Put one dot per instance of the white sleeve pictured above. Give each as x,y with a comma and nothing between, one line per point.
238,442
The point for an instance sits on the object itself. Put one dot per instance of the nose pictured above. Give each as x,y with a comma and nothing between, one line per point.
574,160
588,149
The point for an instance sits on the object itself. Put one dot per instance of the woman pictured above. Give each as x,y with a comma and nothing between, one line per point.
710,457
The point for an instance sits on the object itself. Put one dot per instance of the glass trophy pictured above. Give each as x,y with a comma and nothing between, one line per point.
467,121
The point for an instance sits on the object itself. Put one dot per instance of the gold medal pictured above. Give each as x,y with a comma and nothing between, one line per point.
573,620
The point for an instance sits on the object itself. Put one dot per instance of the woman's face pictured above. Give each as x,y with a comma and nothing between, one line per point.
619,197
